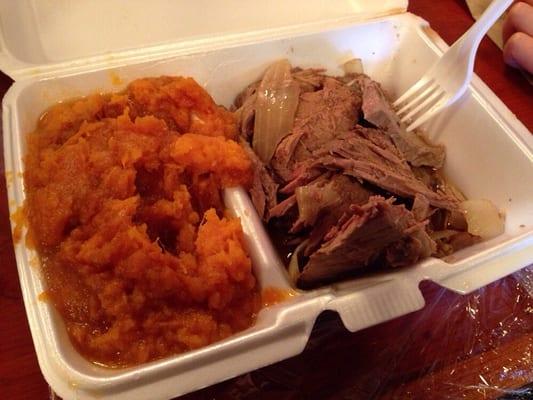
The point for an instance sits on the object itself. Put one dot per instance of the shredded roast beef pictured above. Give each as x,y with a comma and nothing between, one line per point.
378,111
354,155
245,113
320,117
309,79
264,189
376,107
418,151
350,183
377,230
282,207
331,194
322,202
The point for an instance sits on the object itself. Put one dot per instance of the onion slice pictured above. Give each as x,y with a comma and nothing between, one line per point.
483,218
312,199
294,267
275,107
353,66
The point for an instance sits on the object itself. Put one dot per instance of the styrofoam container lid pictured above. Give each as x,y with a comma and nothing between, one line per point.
46,38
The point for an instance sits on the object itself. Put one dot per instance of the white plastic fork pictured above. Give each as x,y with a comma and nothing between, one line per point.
447,80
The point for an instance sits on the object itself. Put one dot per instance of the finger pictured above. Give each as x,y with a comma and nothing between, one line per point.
518,51
530,2
519,19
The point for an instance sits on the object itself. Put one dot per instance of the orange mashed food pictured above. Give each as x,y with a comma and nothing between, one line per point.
124,207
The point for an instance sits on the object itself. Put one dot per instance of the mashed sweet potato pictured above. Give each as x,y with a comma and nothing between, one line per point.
124,206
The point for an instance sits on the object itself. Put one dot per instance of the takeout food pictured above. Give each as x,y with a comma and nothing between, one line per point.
336,170
124,207
481,122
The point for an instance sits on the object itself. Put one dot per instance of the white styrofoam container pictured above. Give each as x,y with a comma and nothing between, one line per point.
489,155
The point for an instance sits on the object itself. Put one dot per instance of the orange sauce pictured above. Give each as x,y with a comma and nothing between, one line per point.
19,220
273,295
43,296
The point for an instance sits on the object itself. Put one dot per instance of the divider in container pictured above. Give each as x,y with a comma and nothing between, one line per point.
268,268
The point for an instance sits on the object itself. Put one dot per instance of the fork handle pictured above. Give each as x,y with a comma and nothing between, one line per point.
483,24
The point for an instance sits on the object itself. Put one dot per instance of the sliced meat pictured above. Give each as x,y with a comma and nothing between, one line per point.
243,96
327,194
429,177
354,145
463,239
382,140
376,230
376,107
302,176
418,151
330,169
321,116
282,207
321,228
450,241
378,111
245,112
413,247
310,79
392,181
335,106
264,189
282,162
349,192
362,159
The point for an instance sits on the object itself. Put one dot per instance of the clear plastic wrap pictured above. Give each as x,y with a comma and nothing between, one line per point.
478,346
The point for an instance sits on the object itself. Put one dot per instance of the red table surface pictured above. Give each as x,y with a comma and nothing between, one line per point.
474,347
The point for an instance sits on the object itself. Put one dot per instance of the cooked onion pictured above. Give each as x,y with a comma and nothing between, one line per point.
353,66
294,268
309,205
483,218
277,100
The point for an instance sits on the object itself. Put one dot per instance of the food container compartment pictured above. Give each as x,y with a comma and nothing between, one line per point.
395,51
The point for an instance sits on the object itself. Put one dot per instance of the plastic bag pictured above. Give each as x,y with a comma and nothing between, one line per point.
477,346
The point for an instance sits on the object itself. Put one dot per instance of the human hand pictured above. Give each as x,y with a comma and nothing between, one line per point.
518,36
